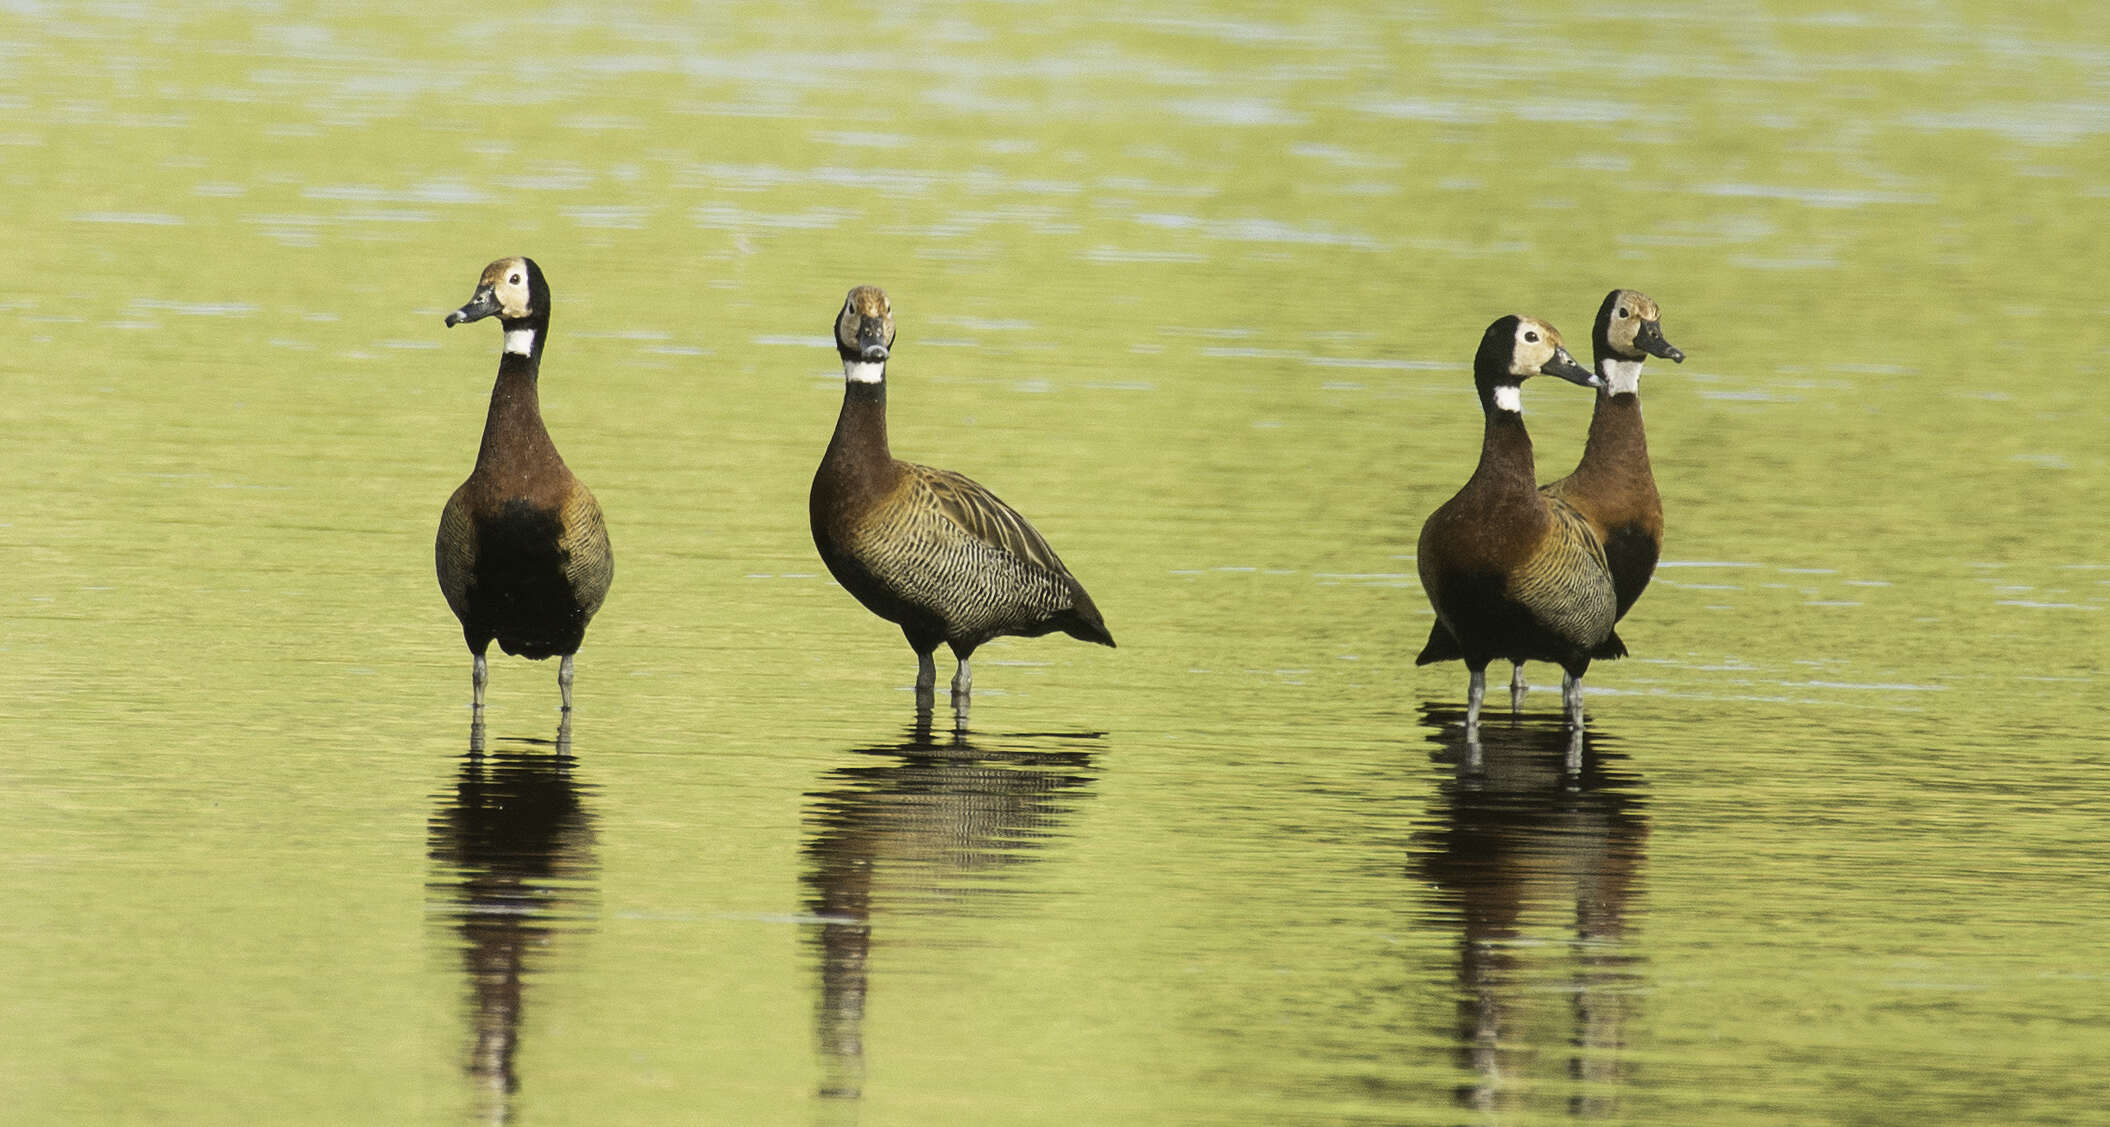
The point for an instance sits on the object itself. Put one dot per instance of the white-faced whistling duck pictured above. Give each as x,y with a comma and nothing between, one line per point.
522,552
1511,572
926,549
1612,487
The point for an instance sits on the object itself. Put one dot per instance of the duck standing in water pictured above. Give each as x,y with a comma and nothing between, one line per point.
1511,572
929,550
522,551
1612,487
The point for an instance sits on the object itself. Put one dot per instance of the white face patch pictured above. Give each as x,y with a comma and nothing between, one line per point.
1509,399
520,342
1621,377
859,371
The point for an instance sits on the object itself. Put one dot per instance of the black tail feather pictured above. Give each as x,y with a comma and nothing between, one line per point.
1083,622
1441,646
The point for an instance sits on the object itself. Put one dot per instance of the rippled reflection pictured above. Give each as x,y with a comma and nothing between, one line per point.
513,865
934,823
1533,848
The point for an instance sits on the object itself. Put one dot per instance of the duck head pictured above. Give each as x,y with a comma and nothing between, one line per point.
1630,326
864,334
512,290
1516,348
1629,330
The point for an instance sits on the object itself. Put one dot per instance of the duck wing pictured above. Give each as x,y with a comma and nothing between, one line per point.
970,505
454,552
589,562
1566,585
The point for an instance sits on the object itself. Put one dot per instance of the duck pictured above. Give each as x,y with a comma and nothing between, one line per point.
930,550
522,550
1612,486
1512,572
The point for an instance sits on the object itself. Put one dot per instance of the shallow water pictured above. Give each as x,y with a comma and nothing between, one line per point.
1196,288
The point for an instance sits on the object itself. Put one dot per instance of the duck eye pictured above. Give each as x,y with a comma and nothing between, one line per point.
1530,336
514,280
1623,313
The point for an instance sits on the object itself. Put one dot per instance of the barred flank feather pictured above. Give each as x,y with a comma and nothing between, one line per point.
1565,584
948,547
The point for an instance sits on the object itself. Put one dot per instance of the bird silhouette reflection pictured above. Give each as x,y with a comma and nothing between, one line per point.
512,853
925,824
1535,833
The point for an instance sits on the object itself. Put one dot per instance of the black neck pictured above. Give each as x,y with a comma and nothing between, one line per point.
860,429
513,428
527,367
1505,449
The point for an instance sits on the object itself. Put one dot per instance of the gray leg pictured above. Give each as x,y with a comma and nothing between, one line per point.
1571,698
479,676
962,689
1573,763
926,681
1475,691
1517,689
564,680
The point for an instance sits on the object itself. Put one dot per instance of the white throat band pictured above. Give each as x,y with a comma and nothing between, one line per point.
860,371
1509,399
520,342
1621,377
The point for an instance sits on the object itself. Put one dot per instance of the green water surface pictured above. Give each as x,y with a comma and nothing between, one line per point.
1194,286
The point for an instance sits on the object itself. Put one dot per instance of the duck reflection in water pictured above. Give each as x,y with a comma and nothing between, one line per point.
513,864
930,823
1533,833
